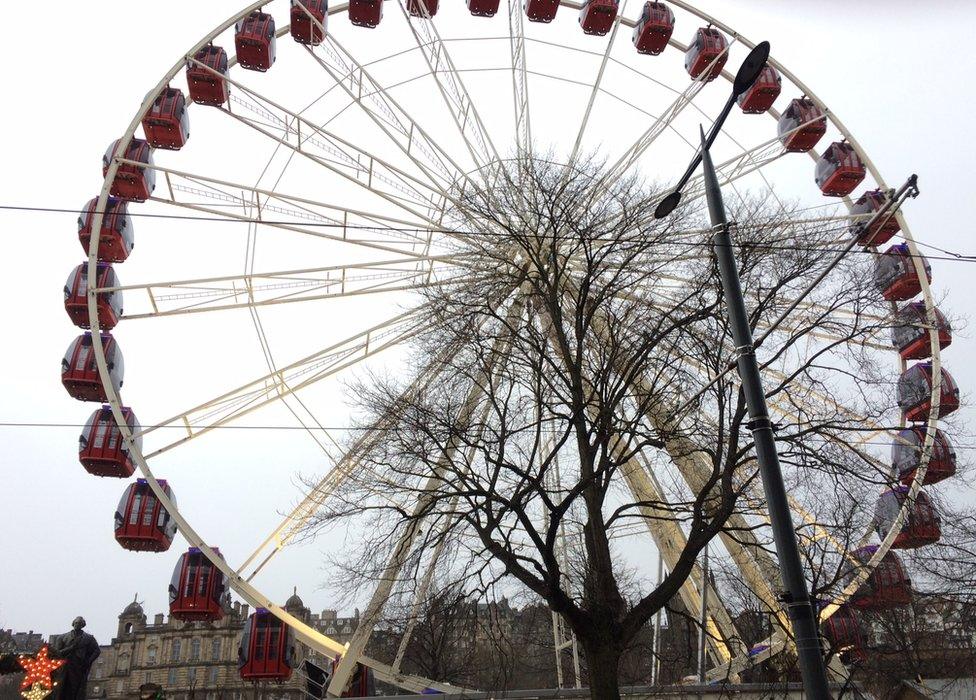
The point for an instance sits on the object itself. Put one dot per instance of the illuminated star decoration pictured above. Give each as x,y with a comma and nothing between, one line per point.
36,692
39,669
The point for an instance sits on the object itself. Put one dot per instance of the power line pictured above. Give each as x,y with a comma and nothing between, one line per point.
43,424
948,255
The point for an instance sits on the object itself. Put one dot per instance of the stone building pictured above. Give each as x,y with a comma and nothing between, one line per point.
196,660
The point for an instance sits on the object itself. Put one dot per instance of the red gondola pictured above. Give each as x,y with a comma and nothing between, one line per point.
483,8
541,10
910,333
423,8
79,374
915,393
895,275
76,297
597,16
801,126
865,207
760,97
267,648
116,238
361,683
906,455
844,635
167,123
206,76
708,48
132,182
839,170
141,522
100,447
196,588
255,41
309,21
365,13
922,525
888,586
654,28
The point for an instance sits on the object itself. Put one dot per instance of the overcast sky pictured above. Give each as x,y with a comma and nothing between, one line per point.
898,75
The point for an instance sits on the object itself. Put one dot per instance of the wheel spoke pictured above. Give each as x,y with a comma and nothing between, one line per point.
520,79
455,94
283,286
667,117
597,83
234,405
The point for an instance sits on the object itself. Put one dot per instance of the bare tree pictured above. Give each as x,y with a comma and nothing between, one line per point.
575,379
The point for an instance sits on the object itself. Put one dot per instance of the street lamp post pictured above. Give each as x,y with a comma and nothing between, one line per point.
799,606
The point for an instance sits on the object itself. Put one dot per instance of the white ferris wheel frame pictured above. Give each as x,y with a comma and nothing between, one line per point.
641,481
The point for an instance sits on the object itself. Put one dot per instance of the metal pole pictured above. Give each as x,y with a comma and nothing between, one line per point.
797,597
702,630
656,641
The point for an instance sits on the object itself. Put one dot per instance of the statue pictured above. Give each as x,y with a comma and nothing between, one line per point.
80,650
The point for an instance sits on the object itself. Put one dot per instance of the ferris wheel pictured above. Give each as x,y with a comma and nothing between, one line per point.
332,142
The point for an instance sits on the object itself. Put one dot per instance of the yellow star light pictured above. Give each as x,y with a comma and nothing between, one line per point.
36,692
39,669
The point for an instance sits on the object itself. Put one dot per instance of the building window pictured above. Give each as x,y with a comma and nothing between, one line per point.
195,649
214,673
151,655
191,675
175,650
148,677
99,669
171,678
215,650
123,663
120,688
128,628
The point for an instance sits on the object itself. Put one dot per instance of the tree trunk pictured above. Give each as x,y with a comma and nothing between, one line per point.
603,669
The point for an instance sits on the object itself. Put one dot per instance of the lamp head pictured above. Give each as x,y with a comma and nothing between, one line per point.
667,205
751,68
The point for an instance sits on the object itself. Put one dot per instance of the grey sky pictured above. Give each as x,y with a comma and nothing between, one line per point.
898,75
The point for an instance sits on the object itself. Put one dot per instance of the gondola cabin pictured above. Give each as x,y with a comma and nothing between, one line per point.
760,97
167,123
133,181
361,682
708,50
839,170
801,126
915,393
309,21
423,8
267,649
116,237
483,8
206,76
597,16
101,450
906,455
541,10
365,13
654,28
79,373
910,333
922,525
196,589
255,42
844,634
881,231
76,297
887,586
895,275
141,522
